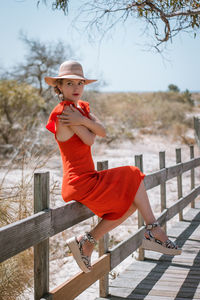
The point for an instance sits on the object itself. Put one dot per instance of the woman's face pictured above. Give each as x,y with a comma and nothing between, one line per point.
72,89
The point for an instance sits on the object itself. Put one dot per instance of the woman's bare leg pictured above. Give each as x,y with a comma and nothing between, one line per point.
105,226
141,202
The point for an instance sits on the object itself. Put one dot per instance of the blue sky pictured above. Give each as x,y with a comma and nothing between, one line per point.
120,59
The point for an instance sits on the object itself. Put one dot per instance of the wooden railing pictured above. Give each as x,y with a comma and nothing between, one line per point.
197,130
45,223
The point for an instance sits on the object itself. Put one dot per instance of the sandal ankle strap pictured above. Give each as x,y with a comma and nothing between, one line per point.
88,237
151,226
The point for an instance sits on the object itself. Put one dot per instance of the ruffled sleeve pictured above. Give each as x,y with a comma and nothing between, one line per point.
51,124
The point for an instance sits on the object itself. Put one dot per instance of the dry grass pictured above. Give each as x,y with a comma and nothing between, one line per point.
153,113
16,203
16,275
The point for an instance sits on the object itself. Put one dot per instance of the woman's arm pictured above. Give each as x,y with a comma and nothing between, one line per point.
84,134
72,117
65,132
95,125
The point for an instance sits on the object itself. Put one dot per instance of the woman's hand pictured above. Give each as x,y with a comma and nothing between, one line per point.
71,116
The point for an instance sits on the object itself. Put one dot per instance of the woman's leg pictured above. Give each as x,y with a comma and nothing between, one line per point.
105,226
141,202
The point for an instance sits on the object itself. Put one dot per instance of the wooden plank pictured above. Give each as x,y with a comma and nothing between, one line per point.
163,185
154,179
41,250
76,285
168,292
154,275
179,181
128,293
23,234
182,203
192,174
129,283
125,248
191,214
176,272
162,219
104,281
103,244
139,164
68,215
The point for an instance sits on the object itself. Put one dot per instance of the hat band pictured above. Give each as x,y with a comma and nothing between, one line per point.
73,74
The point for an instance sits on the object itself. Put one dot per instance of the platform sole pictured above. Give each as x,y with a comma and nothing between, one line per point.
153,246
73,246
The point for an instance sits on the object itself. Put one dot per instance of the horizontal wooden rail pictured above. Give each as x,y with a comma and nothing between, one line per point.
77,284
21,235
25,233
158,177
125,248
68,215
182,203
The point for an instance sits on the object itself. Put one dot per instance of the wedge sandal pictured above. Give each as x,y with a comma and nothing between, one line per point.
83,261
151,243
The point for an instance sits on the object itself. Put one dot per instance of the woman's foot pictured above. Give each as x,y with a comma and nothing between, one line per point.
87,246
81,249
155,239
158,234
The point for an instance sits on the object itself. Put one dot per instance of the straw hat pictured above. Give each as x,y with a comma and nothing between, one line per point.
69,70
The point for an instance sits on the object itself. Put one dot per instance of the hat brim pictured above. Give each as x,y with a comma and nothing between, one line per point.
52,80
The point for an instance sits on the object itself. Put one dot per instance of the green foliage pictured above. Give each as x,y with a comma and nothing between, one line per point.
166,18
173,88
187,96
20,104
175,95
57,4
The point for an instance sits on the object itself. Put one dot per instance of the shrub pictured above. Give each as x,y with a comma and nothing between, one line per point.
123,112
20,104
173,88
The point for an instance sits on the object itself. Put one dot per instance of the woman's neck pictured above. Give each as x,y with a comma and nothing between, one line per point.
74,101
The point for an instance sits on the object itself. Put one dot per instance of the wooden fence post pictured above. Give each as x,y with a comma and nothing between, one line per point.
179,181
41,250
103,245
192,174
197,130
163,185
139,164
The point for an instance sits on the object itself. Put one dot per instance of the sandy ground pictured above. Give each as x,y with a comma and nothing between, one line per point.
63,267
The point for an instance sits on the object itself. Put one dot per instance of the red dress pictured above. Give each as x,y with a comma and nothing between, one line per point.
108,193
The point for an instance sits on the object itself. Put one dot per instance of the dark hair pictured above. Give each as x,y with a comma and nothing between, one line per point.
56,89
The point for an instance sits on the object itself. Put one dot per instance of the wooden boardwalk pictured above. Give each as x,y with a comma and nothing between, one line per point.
161,277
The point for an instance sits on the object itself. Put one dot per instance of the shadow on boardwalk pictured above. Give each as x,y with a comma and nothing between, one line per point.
163,277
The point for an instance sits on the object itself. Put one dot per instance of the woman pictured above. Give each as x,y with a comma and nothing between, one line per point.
112,194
